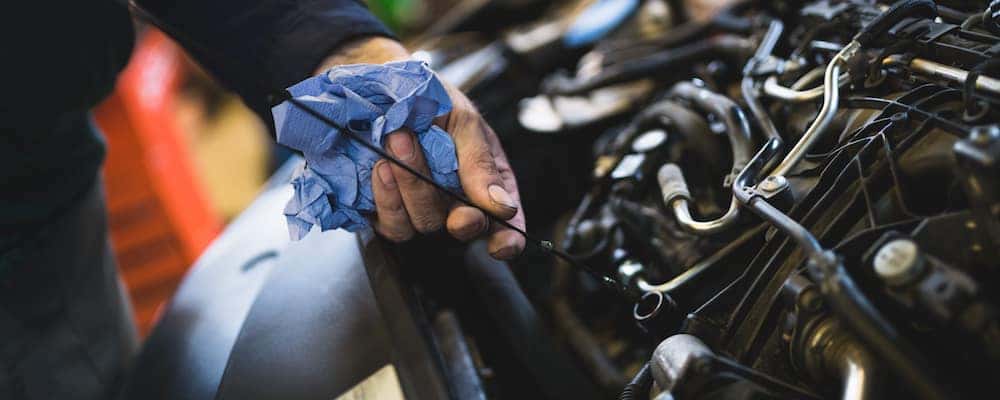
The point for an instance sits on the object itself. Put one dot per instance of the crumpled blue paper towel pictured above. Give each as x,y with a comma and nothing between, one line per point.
333,188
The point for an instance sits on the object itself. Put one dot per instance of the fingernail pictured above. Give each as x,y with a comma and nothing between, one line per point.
504,253
384,172
401,145
500,197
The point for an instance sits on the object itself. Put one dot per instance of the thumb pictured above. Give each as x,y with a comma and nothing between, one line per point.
477,164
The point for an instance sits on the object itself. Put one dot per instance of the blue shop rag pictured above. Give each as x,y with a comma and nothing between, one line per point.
333,188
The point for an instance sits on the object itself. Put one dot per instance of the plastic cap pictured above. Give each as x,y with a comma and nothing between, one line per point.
898,262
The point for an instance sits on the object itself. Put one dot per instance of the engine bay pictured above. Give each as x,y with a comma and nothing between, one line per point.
777,200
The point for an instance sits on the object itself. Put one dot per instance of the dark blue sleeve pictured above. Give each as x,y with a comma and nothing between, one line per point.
256,46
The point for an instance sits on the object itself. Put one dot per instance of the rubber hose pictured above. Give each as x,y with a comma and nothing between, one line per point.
898,11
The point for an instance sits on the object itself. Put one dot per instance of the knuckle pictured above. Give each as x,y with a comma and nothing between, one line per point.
507,175
466,230
481,159
405,178
391,207
395,234
427,222
463,114
404,235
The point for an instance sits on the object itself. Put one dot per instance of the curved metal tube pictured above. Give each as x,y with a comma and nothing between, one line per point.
737,126
831,100
738,129
808,77
683,214
692,274
748,86
774,89
743,190
856,371
832,352
757,109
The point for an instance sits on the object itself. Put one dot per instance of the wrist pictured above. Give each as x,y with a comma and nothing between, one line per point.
365,50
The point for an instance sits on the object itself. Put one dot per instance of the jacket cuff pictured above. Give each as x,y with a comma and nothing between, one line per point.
314,33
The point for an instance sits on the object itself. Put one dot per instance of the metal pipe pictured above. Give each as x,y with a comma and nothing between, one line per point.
748,87
808,77
831,351
740,140
831,100
682,213
737,126
937,70
743,190
856,372
692,274
757,109
774,89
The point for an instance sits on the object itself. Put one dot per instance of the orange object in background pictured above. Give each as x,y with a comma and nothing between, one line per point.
160,219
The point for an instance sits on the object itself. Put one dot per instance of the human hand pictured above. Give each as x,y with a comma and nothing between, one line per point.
406,205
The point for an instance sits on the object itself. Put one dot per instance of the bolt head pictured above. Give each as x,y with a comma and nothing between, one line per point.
773,183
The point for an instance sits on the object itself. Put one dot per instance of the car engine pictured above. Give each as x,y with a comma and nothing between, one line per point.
771,199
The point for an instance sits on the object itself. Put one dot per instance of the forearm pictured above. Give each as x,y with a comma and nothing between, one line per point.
256,46
365,50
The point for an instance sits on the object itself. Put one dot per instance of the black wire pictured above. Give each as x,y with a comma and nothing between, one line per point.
283,95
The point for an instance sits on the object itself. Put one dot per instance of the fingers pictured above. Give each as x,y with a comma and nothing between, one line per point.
405,204
505,243
421,200
392,220
466,223
477,161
